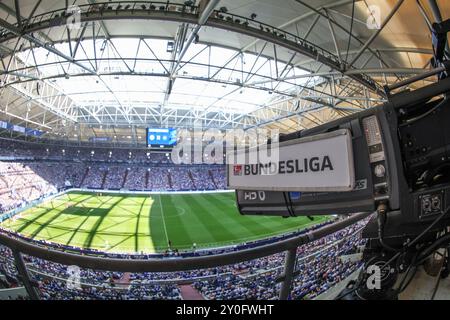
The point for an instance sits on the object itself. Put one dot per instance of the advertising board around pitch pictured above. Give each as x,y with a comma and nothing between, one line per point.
320,163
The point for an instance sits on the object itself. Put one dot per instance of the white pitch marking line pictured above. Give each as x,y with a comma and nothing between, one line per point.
164,220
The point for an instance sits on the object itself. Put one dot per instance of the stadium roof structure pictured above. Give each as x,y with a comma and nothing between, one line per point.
83,68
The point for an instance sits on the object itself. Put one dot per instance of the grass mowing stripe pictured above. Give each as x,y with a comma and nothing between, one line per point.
136,230
198,230
101,217
178,227
209,218
134,223
251,224
163,219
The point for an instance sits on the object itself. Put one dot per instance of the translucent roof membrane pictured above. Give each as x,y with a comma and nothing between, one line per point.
133,72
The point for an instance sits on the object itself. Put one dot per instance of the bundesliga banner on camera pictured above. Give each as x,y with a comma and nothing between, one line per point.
320,163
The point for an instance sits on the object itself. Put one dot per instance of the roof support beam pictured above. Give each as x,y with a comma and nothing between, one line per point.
311,27
375,35
204,15
18,16
333,36
303,17
178,46
334,22
40,43
424,14
102,23
278,37
286,116
38,3
77,44
10,11
382,71
378,50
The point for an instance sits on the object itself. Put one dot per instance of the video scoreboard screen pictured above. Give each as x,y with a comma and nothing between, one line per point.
161,137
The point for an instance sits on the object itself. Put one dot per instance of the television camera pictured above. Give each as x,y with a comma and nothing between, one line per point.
393,160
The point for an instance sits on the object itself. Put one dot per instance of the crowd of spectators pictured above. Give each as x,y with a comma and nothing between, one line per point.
320,265
30,171
19,185
136,179
26,181
52,289
39,151
155,178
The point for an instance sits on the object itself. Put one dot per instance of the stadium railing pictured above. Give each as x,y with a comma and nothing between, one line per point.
20,247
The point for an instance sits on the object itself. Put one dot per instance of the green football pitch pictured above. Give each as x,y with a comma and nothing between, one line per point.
146,223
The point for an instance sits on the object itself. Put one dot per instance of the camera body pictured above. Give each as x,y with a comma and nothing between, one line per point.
401,159
400,163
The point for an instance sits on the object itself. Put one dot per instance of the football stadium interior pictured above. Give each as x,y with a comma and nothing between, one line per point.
118,120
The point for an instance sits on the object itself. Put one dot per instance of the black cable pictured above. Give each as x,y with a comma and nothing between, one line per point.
416,261
402,286
424,253
436,287
291,204
428,228
351,30
358,282
401,289
288,204
416,239
381,219
433,247
344,294
423,115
